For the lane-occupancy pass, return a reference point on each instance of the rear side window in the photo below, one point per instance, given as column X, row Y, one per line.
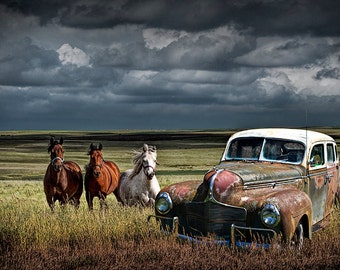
column 330, row 153
column 317, row 155
column 336, row 153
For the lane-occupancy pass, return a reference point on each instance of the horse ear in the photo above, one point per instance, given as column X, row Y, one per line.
column 145, row 147
column 100, row 146
column 51, row 145
column 91, row 147
column 61, row 141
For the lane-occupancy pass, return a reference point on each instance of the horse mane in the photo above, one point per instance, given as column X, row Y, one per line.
column 138, row 158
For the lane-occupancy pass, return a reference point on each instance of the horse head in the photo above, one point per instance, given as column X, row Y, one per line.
column 149, row 160
column 96, row 159
column 57, row 153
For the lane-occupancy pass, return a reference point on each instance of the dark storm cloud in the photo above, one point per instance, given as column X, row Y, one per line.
column 328, row 73
column 168, row 64
column 265, row 17
column 18, row 65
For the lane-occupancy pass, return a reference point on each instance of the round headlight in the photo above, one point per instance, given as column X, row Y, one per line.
column 163, row 203
column 270, row 215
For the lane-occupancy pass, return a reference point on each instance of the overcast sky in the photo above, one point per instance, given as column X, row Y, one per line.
column 157, row 64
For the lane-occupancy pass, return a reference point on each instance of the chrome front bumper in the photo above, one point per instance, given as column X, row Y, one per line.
column 208, row 240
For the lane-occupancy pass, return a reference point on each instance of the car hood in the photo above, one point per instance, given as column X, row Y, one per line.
column 240, row 183
column 253, row 173
column 231, row 182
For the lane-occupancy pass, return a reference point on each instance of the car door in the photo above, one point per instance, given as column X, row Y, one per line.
column 332, row 176
column 318, row 181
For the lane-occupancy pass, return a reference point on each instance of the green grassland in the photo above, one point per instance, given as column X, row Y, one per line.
column 31, row 237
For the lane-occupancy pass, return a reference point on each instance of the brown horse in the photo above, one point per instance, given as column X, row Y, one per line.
column 101, row 176
column 63, row 180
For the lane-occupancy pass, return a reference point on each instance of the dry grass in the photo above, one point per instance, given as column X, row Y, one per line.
column 31, row 237
column 120, row 239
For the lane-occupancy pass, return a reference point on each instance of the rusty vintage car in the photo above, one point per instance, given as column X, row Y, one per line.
column 270, row 183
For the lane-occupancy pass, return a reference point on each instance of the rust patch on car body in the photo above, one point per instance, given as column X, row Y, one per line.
column 183, row 192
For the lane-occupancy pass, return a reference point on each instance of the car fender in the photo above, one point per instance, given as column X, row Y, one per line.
column 186, row 191
column 294, row 206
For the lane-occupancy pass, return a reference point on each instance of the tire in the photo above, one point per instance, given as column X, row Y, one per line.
column 298, row 237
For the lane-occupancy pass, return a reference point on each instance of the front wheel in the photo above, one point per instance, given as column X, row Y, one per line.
column 297, row 240
column 337, row 198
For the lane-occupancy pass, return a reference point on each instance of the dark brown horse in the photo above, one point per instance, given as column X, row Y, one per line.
column 101, row 176
column 63, row 180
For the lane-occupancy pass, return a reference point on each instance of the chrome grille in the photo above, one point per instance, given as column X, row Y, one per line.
column 204, row 218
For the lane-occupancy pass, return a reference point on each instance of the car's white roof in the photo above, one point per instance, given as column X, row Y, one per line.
column 302, row 135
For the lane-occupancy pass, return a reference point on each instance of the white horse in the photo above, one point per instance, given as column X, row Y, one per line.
column 139, row 186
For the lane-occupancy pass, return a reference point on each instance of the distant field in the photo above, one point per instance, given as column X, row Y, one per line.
column 180, row 154
column 31, row 237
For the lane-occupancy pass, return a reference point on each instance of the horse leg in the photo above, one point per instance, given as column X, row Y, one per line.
column 151, row 202
column 89, row 199
column 63, row 200
column 146, row 200
column 50, row 201
column 116, row 193
column 77, row 195
column 102, row 201
column 51, row 205
column 76, row 203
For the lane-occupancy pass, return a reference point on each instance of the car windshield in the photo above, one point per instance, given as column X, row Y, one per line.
column 266, row 150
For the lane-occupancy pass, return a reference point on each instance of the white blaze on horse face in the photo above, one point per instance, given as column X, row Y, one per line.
column 149, row 164
column 57, row 156
column 149, row 170
column 96, row 163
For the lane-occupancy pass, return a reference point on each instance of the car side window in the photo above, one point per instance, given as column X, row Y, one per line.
column 336, row 153
column 317, row 155
column 330, row 153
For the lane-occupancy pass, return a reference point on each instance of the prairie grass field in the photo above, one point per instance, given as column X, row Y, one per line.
column 31, row 237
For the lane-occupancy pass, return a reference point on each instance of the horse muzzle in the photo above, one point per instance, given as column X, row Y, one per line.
column 150, row 176
column 57, row 163
column 96, row 174
column 96, row 170
column 57, row 167
column 149, row 172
